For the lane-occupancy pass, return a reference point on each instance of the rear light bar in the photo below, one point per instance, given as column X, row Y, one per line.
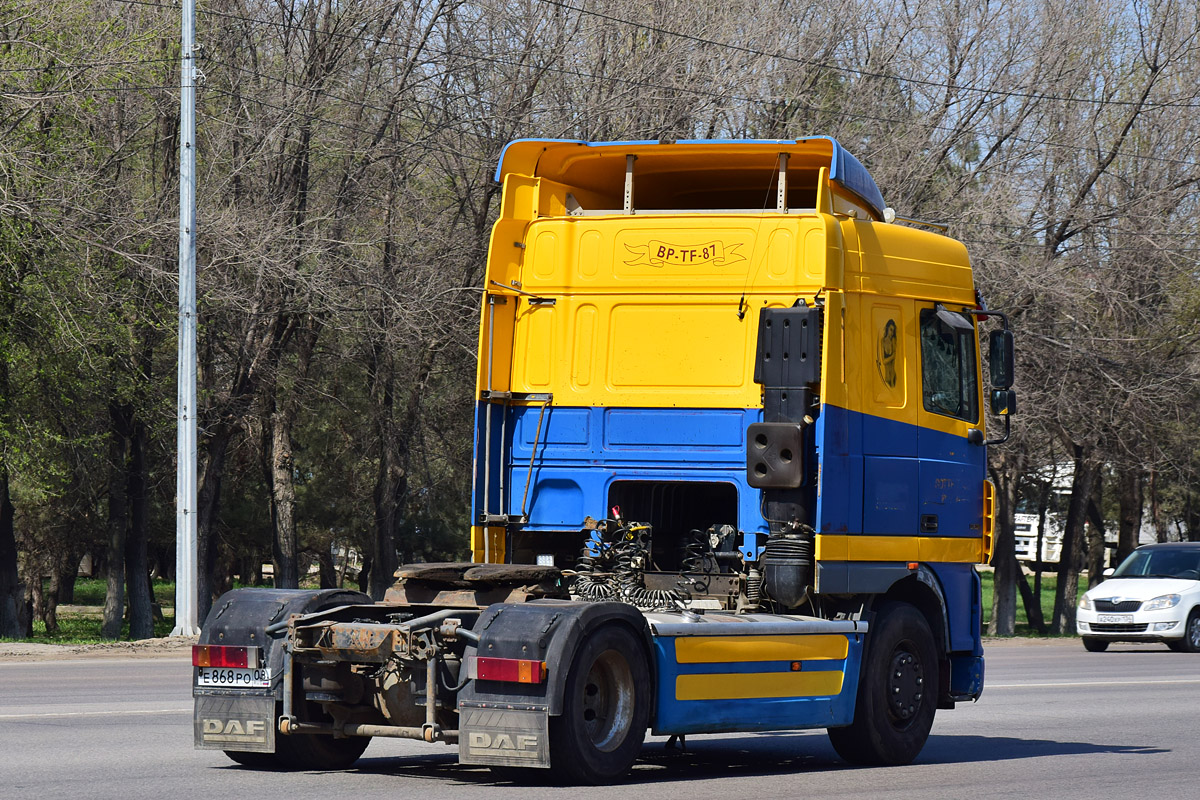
column 511, row 670
column 226, row 656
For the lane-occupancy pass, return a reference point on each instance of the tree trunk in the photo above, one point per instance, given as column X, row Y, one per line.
column 50, row 611
column 1162, row 533
column 340, row 577
column 1096, row 545
column 12, row 597
column 1004, row 557
column 11, row 594
column 37, row 598
column 325, row 568
column 1131, row 498
column 278, row 469
column 137, row 567
column 364, row 574
column 1033, row 604
column 390, row 480
column 390, row 487
column 1191, row 515
column 67, row 571
column 1071, row 560
column 208, row 502
column 280, row 466
column 118, row 523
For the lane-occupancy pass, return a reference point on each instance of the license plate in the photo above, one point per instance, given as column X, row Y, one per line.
column 233, row 678
column 1114, row 619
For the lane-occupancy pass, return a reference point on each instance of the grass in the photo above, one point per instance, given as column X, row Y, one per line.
column 91, row 591
column 85, row 629
column 80, row 622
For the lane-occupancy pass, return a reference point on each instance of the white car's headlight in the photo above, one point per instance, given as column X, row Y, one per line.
column 1166, row 601
column 1085, row 603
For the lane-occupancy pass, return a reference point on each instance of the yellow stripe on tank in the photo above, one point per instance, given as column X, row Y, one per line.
column 737, row 649
column 751, row 686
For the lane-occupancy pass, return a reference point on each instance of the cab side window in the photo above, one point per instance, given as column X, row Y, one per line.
column 948, row 381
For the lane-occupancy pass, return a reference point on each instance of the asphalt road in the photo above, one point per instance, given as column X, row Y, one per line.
column 1054, row 722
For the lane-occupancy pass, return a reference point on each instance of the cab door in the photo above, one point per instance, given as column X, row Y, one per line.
column 951, row 458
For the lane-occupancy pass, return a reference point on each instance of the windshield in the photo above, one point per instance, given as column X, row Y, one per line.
column 1160, row 564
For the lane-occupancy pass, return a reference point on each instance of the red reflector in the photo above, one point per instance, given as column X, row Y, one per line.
column 227, row 656
column 512, row 670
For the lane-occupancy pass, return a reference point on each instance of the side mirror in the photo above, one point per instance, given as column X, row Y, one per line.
column 1004, row 402
column 1000, row 361
column 1108, row 572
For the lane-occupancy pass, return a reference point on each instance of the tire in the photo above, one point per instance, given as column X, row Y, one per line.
column 606, row 709
column 308, row 752
column 1190, row 643
column 305, row 751
column 897, row 691
column 1093, row 645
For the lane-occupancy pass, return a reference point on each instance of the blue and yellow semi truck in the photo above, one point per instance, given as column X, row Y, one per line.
column 729, row 475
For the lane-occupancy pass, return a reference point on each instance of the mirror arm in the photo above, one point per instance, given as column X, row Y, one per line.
column 985, row 313
column 1007, row 432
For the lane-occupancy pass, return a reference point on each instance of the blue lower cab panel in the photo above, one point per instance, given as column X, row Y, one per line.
column 966, row 676
column 749, row 681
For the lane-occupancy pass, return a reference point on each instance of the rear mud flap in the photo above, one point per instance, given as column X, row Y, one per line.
column 235, row 723
column 504, row 737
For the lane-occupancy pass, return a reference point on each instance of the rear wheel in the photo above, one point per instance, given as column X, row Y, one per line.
column 1093, row 645
column 305, row 751
column 897, row 692
column 606, row 708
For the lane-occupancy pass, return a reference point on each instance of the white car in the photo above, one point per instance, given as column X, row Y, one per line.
column 1153, row 596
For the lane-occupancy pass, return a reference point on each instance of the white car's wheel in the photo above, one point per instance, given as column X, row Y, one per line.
column 1191, row 633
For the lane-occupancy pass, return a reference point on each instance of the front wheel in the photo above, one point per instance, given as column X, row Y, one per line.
column 1093, row 645
column 897, row 691
column 606, row 708
column 1190, row 643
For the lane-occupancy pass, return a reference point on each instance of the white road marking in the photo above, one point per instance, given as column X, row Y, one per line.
column 1089, row 683
column 179, row 710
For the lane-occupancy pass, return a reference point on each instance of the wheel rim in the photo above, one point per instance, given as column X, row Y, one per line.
column 608, row 701
column 906, row 685
column 1194, row 632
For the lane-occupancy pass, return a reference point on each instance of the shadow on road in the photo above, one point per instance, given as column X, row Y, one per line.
column 755, row 755
column 960, row 749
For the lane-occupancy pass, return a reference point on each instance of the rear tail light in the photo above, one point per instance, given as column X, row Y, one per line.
column 226, row 656
column 511, row 670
